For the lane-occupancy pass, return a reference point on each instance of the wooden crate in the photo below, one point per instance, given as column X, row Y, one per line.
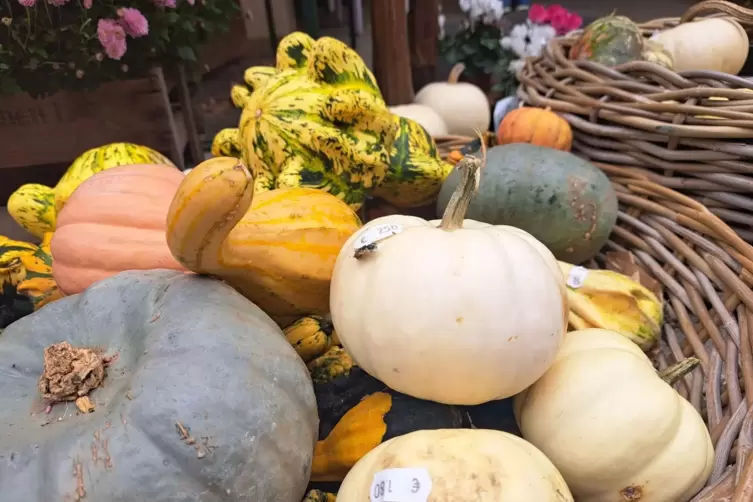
column 59, row 128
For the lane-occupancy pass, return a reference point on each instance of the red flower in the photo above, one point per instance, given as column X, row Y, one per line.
column 566, row 22
column 538, row 14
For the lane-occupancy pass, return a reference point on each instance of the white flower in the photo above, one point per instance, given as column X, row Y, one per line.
column 528, row 39
column 515, row 65
column 441, row 20
column 484, row 11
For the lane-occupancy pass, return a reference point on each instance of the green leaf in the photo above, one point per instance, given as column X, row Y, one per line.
column 186, row 53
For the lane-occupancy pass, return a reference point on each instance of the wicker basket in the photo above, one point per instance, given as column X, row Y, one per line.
column 656, row 122
column 705, row 271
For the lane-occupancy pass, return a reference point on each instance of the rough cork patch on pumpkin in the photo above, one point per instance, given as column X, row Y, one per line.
column 70, row 373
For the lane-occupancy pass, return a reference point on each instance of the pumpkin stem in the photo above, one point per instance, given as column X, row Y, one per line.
column 470, row 171
column 70, row 373
column 675, row 372
column 455, row 73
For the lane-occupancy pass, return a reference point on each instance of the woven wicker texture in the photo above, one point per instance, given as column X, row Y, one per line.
column 706, row 274
column 662, row 124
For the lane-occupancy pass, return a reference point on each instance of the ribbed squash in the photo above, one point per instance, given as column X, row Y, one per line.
column 311, row 336
column 320, row 496
column 34, row 207
column 26, row 282
column 318, row 121
column 358, row 412
column 225, row 143
column 416, row 172
column 279, row 252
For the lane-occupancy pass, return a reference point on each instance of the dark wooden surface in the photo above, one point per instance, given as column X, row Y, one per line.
column 392, row 65
column 424, row 30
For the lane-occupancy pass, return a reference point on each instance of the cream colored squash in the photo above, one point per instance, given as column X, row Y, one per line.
column 457, row 311
column 614, row 429
column 428, row 118
column 458, row 465
column 463, row 106
column 710, row 44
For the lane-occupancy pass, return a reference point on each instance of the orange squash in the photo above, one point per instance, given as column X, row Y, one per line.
column 535, row 126
column 278, row 251
column 114, row 221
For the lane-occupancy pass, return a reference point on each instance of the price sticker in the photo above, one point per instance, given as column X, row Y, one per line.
column 401, row 485
column 577, row 277
column 378, row 233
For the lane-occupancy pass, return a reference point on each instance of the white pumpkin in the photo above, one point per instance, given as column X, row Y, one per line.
column 463, row 106
column 714, row 44
column 614, row 429
column 457, row 311
column 461, row 465
column 428, row 118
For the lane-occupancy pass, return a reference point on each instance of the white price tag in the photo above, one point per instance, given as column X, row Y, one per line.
column 577, row 277
column 378, row 233
column 401, row 485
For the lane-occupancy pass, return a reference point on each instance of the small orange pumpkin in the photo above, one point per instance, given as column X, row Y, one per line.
column 114, row 221
column 535, row 126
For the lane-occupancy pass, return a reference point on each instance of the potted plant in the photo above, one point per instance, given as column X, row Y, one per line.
column 52, row 45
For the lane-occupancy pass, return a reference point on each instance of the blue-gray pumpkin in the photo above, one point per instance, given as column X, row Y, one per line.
column 203, row 400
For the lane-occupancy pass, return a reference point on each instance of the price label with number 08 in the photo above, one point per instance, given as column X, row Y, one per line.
column 401, row 485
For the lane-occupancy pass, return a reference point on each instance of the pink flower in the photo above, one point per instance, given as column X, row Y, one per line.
column 165, row 3
column 565, row 22
column 133, row 22
column 27, row 3
column 87, row 4
column 191, row 2
column 112, row 37
column 538, row 14
column 57, row 3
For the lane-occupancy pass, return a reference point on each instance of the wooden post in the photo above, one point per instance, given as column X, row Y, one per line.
column 392, row 69
column 424, row 31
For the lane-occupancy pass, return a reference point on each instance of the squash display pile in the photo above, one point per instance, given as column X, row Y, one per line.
column 278, row 324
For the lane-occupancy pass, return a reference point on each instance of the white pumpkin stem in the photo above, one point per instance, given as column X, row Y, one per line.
column 675, row 372
column 455, row 73
column 470, row 172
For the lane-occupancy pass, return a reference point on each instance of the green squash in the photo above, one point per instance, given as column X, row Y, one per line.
column 203, row 399
column 564, row 201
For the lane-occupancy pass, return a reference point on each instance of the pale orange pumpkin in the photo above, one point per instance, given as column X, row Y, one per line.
column 535, row 126
column 114, row 221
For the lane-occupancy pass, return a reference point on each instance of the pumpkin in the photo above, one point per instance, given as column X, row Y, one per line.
column 463, row 106
column 461, row 465
column 640, row 440
column 716, row 44
column 428, row 306
column 35, row 206
column 278, row 251
column 114, row 221
column 26, row 282
column 654, row 52
column 422, row 114
column 536, row 127
column 562, row 200
column 610, row 40
column 311, row 336
column 358, row 412
column 318, row 121
column 179, row 415
column 416, row 170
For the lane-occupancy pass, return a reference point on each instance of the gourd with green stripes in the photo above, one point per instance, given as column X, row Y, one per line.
column 316, row 120
column 34, row 207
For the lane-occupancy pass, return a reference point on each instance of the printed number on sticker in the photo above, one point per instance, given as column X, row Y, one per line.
column 401, row 485
column 577, row 277
column 377, row 233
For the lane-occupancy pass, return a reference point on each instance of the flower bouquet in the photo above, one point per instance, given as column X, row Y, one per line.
column 51, row 45
column 529, row 39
